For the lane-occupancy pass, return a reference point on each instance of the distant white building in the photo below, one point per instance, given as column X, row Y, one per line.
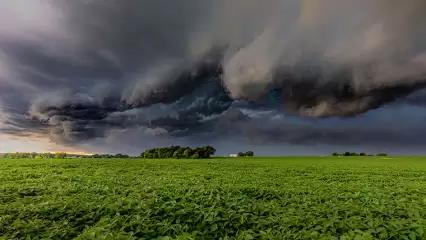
column 233, row 155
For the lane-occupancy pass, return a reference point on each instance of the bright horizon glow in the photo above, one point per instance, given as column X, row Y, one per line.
column 10, row 145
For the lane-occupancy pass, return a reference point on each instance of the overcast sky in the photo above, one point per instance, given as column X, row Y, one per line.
column 282, row 77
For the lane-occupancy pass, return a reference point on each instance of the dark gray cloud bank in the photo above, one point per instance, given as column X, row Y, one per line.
column 116, row 75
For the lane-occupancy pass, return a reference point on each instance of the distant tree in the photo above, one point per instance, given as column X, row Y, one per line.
column 152, row 153
column 381, row 155
column 60, row 155
column 241, row 154
column 179, row 153
column 186, row 153
column 195, row 156
column 159, row 153
column 33, row 154
column 249, row 154
column 173, row 150
column 148, row 153
column 169, row 153
column 23, row 155
column 209, row 150
column 347, row 154
column 362, row 154
column 335, row 154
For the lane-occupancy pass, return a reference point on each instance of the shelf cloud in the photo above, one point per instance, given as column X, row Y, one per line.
column 201, row 70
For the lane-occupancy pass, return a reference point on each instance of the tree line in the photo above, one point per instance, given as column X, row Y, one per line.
column 178, row 152
column 59, row 155
column 353, row 154
column 19, row 155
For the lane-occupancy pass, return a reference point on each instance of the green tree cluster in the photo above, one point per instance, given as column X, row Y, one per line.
column 118, row 155
column 60, row 155
column 179, row 152
column 246, row 154
column 353, row 154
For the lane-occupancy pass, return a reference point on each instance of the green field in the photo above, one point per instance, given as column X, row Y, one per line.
column 258, row 198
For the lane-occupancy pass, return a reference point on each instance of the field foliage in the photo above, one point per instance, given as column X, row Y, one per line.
column 230, row 198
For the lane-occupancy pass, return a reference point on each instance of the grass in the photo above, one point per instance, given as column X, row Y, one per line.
column 259, row 198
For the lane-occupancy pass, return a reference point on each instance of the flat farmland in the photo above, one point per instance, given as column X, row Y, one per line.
column 223, row 198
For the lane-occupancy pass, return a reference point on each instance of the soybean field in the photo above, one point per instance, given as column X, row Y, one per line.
column 223, row 198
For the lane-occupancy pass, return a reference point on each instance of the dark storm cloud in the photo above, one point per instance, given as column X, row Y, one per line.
column 270, row 127
column 416, row 99
column 335, row 61
column 339, row 96
column 75, row 116
column 80, row 70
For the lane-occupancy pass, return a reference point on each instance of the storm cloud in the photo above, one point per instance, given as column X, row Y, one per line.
column 199, row 71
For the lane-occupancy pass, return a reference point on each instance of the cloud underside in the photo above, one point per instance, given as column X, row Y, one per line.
column 293, row 72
